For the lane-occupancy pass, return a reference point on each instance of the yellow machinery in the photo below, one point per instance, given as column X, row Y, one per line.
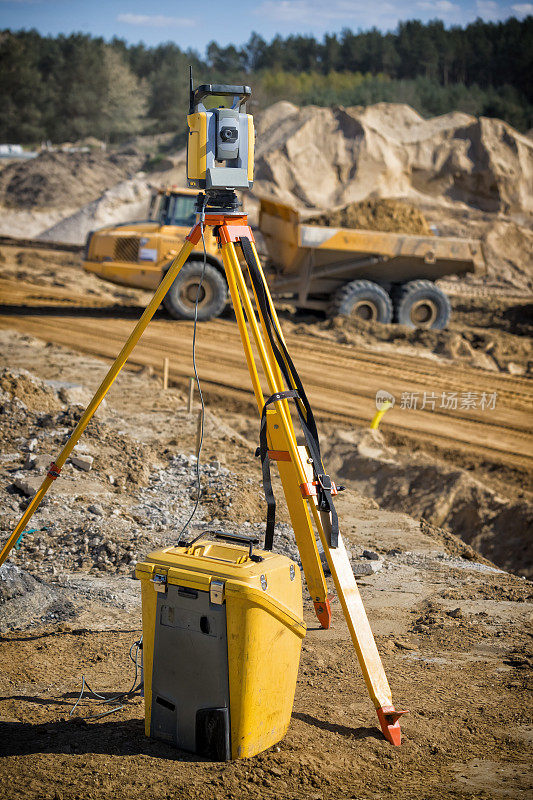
column 138, row 254
column 374, row 275
column 308, row 488
column 222, row 633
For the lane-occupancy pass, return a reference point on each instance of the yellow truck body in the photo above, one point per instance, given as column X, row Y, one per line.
column 368, row 273
column 138, row 253
column 331, row 255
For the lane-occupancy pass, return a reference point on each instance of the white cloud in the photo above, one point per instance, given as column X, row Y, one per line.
column 523, row 8
column 487, row 7
column 320, row 14
column 442, row 6
column 155, row 20
column 309, row 11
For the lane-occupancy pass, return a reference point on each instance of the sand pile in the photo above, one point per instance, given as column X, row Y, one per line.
column 64, row 180
column 320, row 157
column 376, row 215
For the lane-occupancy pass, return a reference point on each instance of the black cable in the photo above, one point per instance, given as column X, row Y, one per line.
column 202, row 413
column 135, row 688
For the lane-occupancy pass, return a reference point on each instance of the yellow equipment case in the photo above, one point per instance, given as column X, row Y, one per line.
column 222, row 634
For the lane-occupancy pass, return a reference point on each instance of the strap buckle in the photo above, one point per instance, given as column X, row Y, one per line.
column 325, row 483
column 310, row 489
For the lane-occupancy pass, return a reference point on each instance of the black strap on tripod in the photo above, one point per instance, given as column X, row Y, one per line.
column 265, row 466
column 290, row 373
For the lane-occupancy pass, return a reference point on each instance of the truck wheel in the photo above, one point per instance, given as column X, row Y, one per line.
column 363, row 300
column 181, row 297
column 420, row 304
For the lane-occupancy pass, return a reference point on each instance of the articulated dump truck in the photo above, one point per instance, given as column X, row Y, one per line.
column 382, row 277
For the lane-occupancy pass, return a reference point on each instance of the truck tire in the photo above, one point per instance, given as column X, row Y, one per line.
column 420, row 304
column 181, row 297
column 363, row 300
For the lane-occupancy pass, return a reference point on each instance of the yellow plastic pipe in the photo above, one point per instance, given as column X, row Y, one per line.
column 101, row 392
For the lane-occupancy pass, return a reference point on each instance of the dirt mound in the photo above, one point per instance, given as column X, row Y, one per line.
column 322, row 157
column 63, row 180
column 508, row 250
column 21, row 385
column 488, row 334
column 507, row 244
column 376, row 215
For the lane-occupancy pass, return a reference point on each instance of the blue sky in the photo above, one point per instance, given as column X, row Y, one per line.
column 192, row 24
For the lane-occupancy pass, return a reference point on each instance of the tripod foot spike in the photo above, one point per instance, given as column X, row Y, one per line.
column 323, row 612
column 389, row 720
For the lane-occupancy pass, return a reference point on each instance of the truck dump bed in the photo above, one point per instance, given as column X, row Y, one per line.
column 327, row 257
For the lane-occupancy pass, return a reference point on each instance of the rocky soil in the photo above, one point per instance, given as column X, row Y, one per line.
column 452, row 628
column 487, row 333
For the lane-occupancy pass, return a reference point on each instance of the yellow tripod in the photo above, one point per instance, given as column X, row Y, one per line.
column 301, row 485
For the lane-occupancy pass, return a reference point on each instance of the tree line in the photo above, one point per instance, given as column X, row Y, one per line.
column 69, row 87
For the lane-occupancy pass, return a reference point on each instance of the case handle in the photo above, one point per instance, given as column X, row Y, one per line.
column 237, row 537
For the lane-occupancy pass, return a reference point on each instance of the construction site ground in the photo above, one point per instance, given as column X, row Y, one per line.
column 452, row 627
column 484, row 453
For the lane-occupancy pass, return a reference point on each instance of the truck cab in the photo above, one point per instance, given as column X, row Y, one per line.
column 137, row 254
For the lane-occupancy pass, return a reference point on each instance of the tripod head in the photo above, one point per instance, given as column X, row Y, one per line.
column 220, row 144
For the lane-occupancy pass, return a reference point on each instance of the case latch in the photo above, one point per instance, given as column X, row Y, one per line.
column 216, row 592
column 160, row 583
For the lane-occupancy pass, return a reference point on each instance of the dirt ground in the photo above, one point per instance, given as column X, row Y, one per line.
column 454, row 647
column 452, row 627
column 453, row 630
column 481, row 451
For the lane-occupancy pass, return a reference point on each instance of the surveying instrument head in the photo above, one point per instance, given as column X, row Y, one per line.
column 220, row 144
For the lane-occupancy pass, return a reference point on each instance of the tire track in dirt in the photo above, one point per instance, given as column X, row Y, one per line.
column 341, row 380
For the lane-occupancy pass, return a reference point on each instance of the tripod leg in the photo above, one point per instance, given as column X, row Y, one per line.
column 101, row 392
column 281, row 437
column 352, row 605
column 298, row 509
column 241, row 324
